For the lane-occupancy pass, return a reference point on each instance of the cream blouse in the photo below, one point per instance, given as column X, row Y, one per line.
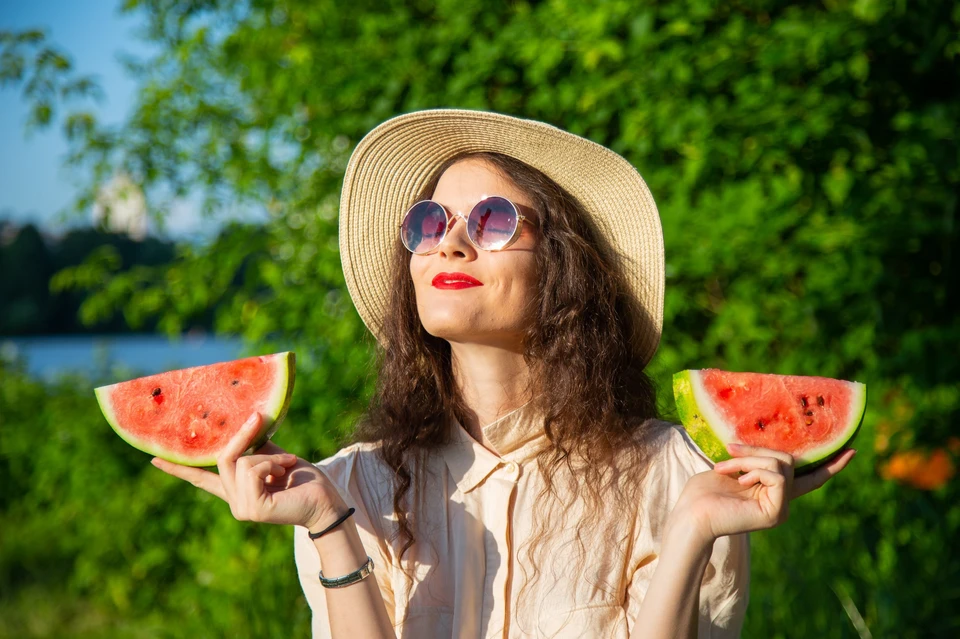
column 479, row 512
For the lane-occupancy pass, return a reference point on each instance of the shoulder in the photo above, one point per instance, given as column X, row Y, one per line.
column 675, row 456
column 351, row 457
column 677, row 445
column 360, row 473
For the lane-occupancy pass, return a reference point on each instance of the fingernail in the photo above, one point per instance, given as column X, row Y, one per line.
column 154, row 461
column 732, row 445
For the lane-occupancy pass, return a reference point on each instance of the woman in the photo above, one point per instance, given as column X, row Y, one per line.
column 510, row 478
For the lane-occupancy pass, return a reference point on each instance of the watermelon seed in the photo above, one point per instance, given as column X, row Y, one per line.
column 809, row 413
column 222, row 422
column 820, row 400
column 803, row 401
column 235, row 382
column 809, row 422
column 156, row 391
column 206, row 414
column 760, row 424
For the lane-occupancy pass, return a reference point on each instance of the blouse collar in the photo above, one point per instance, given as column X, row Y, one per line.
column 470, row 463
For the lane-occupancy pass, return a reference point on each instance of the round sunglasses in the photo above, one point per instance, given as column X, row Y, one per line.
column 492, row 225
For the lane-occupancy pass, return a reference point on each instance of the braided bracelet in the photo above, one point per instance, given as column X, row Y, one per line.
column 359, row 574
column 331, row 526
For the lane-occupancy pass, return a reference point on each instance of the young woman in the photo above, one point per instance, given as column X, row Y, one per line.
column 511, row 478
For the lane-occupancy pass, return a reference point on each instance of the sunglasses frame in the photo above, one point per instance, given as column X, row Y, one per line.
column 513, row 238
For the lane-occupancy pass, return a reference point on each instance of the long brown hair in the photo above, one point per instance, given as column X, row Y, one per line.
column 596, row 400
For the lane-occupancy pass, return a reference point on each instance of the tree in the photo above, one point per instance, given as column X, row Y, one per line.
column 803, row 158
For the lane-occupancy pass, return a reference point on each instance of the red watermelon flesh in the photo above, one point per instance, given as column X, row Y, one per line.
column 187, row 416
column 812, row 418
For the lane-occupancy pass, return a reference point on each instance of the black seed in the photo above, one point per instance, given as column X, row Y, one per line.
column 820, row 400
column 696, row 417
column 803, row 402
column 760, row 425
column 809, row 413
column 156, row 391
column 222, row 422
column 235, row 382
column 206, row 414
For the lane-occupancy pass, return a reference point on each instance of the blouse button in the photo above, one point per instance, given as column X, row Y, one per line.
column 511, row 468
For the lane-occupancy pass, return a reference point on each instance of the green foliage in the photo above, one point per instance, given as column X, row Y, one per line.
column 98, row 543
column 803, row 157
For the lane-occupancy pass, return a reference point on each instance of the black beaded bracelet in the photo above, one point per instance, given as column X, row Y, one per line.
column 332, row 526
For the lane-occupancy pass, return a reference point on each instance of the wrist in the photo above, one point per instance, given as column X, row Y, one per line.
column 327, row 517
column 690, row 531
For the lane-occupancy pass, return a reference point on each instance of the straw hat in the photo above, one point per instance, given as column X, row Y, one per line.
column 393, row 163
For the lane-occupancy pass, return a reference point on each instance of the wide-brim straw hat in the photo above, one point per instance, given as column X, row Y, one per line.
column 392, row 164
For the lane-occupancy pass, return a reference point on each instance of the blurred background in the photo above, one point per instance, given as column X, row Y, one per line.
column 169, row 182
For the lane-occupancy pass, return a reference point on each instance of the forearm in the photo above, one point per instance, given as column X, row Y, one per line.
column 356, row 610
column 671, row 605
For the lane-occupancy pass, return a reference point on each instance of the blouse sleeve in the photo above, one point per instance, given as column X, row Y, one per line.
column 357, row 474
column 724, row 591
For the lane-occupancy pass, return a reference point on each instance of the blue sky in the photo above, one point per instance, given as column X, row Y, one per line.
column 34, row 185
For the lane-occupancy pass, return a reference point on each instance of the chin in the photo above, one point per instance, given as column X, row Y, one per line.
column 450, row 331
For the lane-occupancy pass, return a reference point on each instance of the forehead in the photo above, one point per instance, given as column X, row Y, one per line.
column 468, row 181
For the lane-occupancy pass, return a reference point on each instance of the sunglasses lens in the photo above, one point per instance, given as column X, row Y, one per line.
column 492, row 223
column 423, row 226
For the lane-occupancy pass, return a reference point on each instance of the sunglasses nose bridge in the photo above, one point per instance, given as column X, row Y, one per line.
column 451, row 228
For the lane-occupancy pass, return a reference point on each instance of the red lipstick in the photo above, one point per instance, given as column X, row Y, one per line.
column 455, row 281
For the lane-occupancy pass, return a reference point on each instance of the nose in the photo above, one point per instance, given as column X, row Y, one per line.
column 456, row 242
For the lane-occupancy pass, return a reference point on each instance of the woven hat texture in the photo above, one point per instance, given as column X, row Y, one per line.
column 394, row 161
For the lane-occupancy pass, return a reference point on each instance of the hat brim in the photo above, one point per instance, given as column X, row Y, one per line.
column 392, row 164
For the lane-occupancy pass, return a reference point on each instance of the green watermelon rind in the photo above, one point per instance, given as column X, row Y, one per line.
column 713, row 446
column 695, row 425
column 273, row 415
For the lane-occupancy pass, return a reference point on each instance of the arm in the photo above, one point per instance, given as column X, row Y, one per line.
column 276, row 487
column 671, row 607
column 358, row 609
column 713, row 506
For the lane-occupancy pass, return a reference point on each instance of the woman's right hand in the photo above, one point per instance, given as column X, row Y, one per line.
column 270, row 486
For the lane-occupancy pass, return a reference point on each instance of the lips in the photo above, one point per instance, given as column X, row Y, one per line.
column 455, row 281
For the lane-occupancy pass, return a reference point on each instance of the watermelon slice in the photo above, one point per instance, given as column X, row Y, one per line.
column 812, row 418
column 187, row 416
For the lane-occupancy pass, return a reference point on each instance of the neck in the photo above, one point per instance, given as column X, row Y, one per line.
column 492, row 381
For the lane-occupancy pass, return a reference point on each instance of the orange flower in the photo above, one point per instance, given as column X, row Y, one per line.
column 915, row 468
column 953, row 443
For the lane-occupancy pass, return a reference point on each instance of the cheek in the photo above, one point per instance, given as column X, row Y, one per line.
column 521, row 282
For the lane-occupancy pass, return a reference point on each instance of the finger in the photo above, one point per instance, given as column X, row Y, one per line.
column 776, row 485
column 242, row 439
column 269, row 448
column 252, row 496
column 742, row 450
column 283, row 459
column 746, row 464
column 761, row 475
column 808, row 483
column 203, row 479
column 266, row 468
column 227, row 461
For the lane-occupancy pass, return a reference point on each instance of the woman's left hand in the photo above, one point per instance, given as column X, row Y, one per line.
column 719, row 502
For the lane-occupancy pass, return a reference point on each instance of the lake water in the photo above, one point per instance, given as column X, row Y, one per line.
column 118, row 356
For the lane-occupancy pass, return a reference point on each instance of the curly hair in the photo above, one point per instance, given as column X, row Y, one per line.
column 598, row 405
